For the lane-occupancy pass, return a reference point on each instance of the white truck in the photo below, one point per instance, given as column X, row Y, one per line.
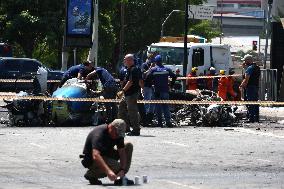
column 201, row 55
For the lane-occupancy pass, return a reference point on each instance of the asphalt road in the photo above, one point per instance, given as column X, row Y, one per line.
column 190, row 157
column 250, row 156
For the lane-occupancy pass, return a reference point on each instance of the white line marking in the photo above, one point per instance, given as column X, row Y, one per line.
column 174, row 143
column 37, row 145
column 264, row 160
column 183, row 185
column 243, row 130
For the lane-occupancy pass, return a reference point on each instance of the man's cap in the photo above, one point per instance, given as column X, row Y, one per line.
column 158, row 59
column 120, row 127
column 247, row 57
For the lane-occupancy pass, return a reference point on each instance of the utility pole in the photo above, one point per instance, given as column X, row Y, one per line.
column 221, row 24
column 93, row 53
column 267, row 30
column 185, row 58
column 121, row 34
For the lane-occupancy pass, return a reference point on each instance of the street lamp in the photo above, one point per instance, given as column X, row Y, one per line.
column 162, row 29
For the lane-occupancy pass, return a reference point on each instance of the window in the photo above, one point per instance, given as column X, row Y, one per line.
column 170, row 55
column 198, row 57
column 12, row 65
column 225, row 5
column 30, row 66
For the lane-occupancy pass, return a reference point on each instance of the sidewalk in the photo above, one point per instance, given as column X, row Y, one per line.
column 276, row 113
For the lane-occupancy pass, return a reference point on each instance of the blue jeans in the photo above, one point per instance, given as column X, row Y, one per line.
column 253, row 110
column 163, row 107
column 149, row 95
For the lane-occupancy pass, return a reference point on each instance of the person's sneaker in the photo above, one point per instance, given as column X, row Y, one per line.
column 93, row 181
column 118, row 182
column 133, row 133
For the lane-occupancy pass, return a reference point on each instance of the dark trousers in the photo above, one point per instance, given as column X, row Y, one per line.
column 111, row 107
column 253, row 110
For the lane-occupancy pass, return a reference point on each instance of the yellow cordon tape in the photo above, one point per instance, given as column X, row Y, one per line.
column 208, row 77
column 183, row 102
column 24, row 81
column 57, row 81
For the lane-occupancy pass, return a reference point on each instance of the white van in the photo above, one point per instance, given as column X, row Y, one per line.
column 201, row 55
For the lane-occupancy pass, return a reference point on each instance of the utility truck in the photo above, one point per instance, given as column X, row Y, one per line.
column 201, row 55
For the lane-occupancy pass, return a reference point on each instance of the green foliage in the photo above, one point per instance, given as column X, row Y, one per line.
column 35, row 28
column 205, row 29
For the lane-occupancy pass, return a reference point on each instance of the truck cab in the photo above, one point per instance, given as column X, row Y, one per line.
column 201, row 55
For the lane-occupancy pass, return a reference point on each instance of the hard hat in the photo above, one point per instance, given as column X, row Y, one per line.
column 194, row 69
column 222, row 72
column 212, row 69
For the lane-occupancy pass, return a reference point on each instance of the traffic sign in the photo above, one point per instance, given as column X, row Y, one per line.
column 200, row 12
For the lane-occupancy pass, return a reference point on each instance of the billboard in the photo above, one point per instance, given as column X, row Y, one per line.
column 79, row 17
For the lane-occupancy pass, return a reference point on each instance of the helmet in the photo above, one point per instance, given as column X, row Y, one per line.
column 212, row 69
column 194, row 69
column 222, row 72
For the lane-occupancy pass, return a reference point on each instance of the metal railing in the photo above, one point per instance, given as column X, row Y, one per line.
column 268, row 84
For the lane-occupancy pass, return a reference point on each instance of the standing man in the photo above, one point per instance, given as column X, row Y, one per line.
column 148, row 89
column 109, row 90
column 77, row 71
column 101, row 158
column 128, row 108
column 251, row 85
column 160, row 76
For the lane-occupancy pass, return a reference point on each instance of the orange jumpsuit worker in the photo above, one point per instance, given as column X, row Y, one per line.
column 224, row 87
column 209, row 81
column 191, row 84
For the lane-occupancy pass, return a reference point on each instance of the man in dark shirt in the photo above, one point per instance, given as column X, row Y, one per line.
column 109, row 89
column 79, row 71
column 251, row 85
column 128, row 109
column 101, row 158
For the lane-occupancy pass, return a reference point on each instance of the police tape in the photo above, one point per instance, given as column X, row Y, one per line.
column 24, row 81
column 178, row 78
column 177, row 102
column 209, row 77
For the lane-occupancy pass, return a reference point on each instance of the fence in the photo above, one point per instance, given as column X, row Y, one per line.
column 268, row 85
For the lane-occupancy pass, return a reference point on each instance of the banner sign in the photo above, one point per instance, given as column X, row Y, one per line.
column 200, row 12
column 79, row 20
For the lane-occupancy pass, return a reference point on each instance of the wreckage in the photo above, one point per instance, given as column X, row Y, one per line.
column 37, row 112
column 209, row 115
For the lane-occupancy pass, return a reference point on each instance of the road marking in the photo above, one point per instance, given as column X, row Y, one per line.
column 183, row 185
column 37, row 145
column 264, row 160
column 174, row 143
column 249, row 131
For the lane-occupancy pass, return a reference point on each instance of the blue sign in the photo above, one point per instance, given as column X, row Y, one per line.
column 79, row 15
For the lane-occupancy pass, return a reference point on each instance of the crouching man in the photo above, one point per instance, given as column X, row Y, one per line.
column 102, row 159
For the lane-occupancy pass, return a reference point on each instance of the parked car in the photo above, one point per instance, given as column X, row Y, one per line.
column 24, row 68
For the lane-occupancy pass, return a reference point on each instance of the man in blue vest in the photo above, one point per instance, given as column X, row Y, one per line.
column 160, row 75
column 78, row 71
column 251, row 85
column 109, row 90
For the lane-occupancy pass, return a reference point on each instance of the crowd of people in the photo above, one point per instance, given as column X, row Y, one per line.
column 151, row 82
